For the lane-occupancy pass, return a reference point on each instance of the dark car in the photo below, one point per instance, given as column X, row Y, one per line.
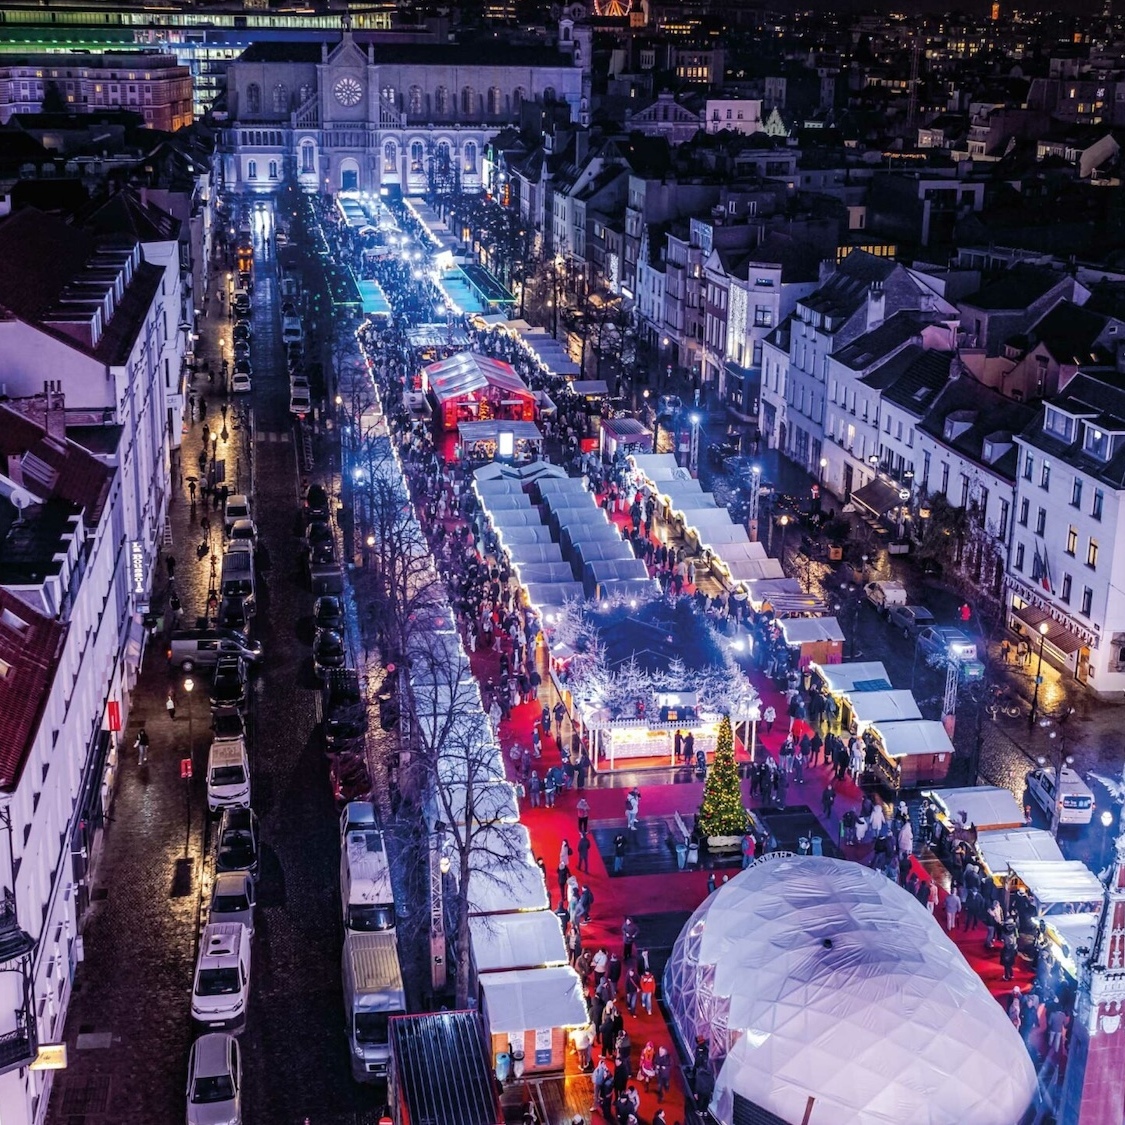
column 243, row 367
column 242, row 330
column 344, row 708
column 238, row 841
column 227, row 726
column 321, row 554
column 318, row 531
column 719, row 452
column 328, row 613
column 228, row 688
column 328, row 652
column 350, row 779
column 316, row 503
column 233, row 615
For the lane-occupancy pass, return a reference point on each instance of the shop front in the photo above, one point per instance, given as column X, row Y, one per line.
column 817, row 640
column 515, row 442
column 1067, row 643
column 842, row 681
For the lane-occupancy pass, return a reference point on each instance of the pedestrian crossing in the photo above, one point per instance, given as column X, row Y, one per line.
column 282, row 436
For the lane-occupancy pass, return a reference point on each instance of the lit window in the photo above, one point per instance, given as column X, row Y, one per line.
column 1071, row 540
column 1092, row 554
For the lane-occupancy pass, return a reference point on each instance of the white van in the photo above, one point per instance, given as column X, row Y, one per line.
column 373, row 993
column 365, row 882
column 222, row 977
column 237, row 507
column 1075, row 798
column 228, row 775
column 883, row 595
column 291, row 330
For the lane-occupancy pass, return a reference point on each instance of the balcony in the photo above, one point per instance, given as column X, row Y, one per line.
column 14, row 942
column 19, row 1047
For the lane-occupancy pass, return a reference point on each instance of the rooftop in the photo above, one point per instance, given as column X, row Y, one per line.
column 1016, row 289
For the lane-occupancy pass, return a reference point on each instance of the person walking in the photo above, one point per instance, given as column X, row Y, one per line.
column 770, row 716
column 584, row 853
column 565, row 853
column 533, row 787
column 648, row 990
column 952, row 908
column 629, row 932
column 583, row 810
column 142, row 746
column 663, row 1073
column 828, row 799
column 613, row 972
column 170, row 704
column 632, row 991
column 599, row 964
column 586, row 901
column 618, row 853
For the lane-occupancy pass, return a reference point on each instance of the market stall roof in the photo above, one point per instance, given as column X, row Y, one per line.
column 1074, row 932
column 859, row 675
column 751, row 570
column 658, row 467
column 590, row 387
column 492, row 428
column 635, row 589
column 526, row 536
column 469, row 372
column 985, row 806
column 878, row 497
column 523, row 554
column 436, row 336
column 543, row 573
column 528, row 1000
column 626, row 431
column 504, row 942
column 501, row 502
column 1055, row 883
column 810, row 630
column 1007, row 847
column 549, row 352
column 561, row 485
column 604, row 570
column 883, row 707
column 786, row 597
column 520, row 518
column 493, row 802
column 752, row 551
column 677, row 491
column 547, row 596
column 905, row 737
column 596, row 550
column 535, row 470
column 498, row 486
column 504, row 876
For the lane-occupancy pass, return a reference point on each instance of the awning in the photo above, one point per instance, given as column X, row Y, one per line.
column 811, row 630
column 985, row 806
column 590, row 387
column 491, row 429
column 786, row 597
column 1058, row 634
column 878, row 497
column 904, row 738
column 527, row 1001
column 870, row 707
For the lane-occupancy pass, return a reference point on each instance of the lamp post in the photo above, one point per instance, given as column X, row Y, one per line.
column 1034, row 713
column 693, row 459
column 189, row 687
column 784, row 521
column 1107, row 820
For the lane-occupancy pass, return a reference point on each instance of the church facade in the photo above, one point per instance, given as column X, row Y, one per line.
column 365, row 118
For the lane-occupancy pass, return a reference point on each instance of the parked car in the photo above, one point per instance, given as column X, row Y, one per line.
column 298, row 382
column 240, row 383
column 214, row 1083
column 910, row 618
column 300, row 403
column 948, row 642
column 1075, row 799
column 329, row 653
column 243, row 367
column 242, row 330
column 317, row 532
column 883, row 595
column 228, row 687
column 233, row 615
column 328, row 613
column 244, row 531
column 237, row 507
column 316, row 503
column 320, row 555
column 226, row 726
column 238, row 841
column 241, row 349
column 228, row 775
column 221, row 989
column 232, row 899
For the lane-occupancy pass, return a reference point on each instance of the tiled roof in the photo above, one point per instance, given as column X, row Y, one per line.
column 78, row 476
column 1018, row 288
column 30, row 645
column 1068, row 332
column 891, row 334
column 39, row 254
column 847, row 288
column 124, row 213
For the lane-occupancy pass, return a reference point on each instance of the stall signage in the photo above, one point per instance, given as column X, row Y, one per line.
column 542, row 1046
column 138, row 571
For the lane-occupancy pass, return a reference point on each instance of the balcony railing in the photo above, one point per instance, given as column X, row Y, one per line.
column 19, row 1047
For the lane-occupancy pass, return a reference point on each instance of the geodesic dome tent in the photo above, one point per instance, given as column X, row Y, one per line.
column 817, row 977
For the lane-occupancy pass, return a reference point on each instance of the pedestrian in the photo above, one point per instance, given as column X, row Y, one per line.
column 932, row 897
column 1008, row 955
column 533, row 787
column 142, row 746
column 952, row 907
column 646, row 1067
column 663, row 1073
column 828, row 799
column 170, row 704
column 598, row 965
column 584, row 853
column 583, row 1040
column 770, row 716
column 618, row 853
column 632, row 806
column 629, row 932
column 632, row 991
column 583, row 810
column 565, row 853
column 613, row 971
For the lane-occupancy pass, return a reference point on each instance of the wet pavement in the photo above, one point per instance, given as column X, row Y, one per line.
column 129, row 1028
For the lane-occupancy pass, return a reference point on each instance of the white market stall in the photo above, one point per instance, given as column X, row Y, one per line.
column 513, row 536
column 547, row 598
column 527, row 517
column 531, row 1013
column 504, row 877
column 529, row 554
column 542, row 573
column 1004, row 848
column 530, row 940
column 908, row 752
column 979, row 808
column 870, row 707
column 588, row 531
column 598, row 574
column 818, row 640
column 601, row 550
column 783, row 597
column 657, row 467
column 494, row 802
column 855, row 675
column 1066, row 887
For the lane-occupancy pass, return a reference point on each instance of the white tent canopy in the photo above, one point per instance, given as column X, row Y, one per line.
column 870, row 707
column 657, row 467
column 529, row 517
column 543, row 573
column 1056, row 885
column 985, row 806
column 510, row 536
column 602, row 549
column 819, row 978
column 1001, row 848
column 526, row 554
column 498, row 486
column 527, row 1001
column 751, row 570
column 548, row 596
column 496, row 503
column 786, row 597
column 504, row 876
column 493, row 801
column 905, row 737
column 859, row 675
column 503, row 942
column 808, row 630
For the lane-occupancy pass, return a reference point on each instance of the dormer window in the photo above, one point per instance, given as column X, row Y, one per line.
column 1097, row 443
column 1059, row 425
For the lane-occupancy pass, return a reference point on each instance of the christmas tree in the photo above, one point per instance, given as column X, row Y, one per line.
column 722, row 812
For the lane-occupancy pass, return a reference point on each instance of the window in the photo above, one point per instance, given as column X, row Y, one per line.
column 548, row 94
column 390, row 157
column 1028, row 466
column 252, row 170
column 253, row 98
column 1064, row 592
column 414, row 101
column 1096, row 505
column 1002, row 529
column 1087, row 601
column 1092, row 554
column 471, row 157
column 495, row 101
column 468, row 101
column 1019, row 556
column 1097, row 443
column 1045, row 475
column 307, row 158
column 763, row 316
column 1041, row 522
column 441, row 101
column 518, row 95
column 273, row 169
column 944, row 490
column 280, row 98
column 1024, row 508
column 1076, row 493
column 442, row 157
column 304, row 93
column 417, row 154
column 1072, row 541
column 1059, row 425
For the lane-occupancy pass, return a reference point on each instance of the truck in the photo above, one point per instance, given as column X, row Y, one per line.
column 373, row 994
column 883, row 595
column 238, row 574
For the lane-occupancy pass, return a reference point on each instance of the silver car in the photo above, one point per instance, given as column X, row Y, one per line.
column 910, row 618
column 214, row 1085
column 232, row 898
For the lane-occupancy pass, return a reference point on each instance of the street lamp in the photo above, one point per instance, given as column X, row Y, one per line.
column 1107, row 820
column 189, row 687
column 1043, row 628
column 784, row 521
column 693, row 459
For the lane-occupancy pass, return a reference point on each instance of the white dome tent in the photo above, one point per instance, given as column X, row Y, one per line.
column 816, row 977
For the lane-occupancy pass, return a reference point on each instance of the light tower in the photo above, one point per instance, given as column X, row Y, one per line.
column 1094, row 1087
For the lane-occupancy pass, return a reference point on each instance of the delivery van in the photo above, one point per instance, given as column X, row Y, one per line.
column 373, row 994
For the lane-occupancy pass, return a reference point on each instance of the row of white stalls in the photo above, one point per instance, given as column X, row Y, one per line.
column 530, row 997
column 560, row 544
column 1066, row 894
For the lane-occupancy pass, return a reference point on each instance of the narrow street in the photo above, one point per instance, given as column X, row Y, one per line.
column 129, row 1027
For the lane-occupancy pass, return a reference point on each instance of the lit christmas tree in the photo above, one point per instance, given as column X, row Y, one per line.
column 722, row 812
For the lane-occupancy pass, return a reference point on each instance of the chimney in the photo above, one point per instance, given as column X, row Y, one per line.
column 876, row 305
column 56, row 412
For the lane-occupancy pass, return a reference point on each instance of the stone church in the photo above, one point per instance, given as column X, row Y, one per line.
column 412, row 115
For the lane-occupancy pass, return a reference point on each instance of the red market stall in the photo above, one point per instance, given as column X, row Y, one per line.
column 468, row 387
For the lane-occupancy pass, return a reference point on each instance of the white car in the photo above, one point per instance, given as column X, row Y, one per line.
column 237, row 508
column 244, row 530
column 214, row 1085
column 222, row 977
column 1075, row 799
column 300, row 403
column 240, row 384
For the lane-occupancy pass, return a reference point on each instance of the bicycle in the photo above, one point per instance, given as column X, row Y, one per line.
column 1000, row 702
